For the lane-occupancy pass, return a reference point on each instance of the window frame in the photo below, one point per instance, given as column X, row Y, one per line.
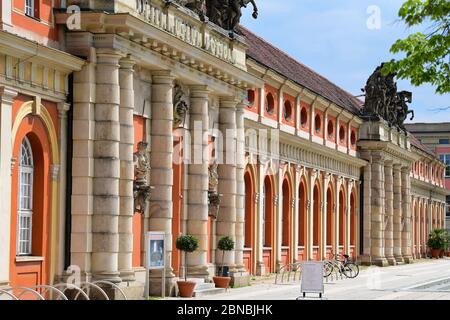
column 445, row 157
column 24, row 236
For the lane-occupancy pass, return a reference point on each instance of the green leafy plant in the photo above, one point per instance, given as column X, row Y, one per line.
column 426, row 53
column 225, row 244
column 187, row 244
column 438, row 239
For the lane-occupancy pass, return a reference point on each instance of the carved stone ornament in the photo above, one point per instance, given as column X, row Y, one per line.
column 213, row 195
column 383, row 101
column 224, row 13
column 141, row 185
column 180, row 107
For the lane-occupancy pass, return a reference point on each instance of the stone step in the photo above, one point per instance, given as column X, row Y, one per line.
column 204, row 286
column 208, row 292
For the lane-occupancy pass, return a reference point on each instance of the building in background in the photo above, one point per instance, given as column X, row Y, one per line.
column 436, row 137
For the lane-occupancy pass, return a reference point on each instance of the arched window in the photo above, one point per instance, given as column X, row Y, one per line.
column 270, row 104
column 263, row 222
column 318, row 124
column 303, row 117
column 288, row 111
column 25, row 201
column 251, row 97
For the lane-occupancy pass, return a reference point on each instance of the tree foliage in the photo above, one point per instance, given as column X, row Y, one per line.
column 427, row 54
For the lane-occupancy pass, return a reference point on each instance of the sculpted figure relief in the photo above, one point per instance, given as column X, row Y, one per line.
column 213, row 195
column 180, row 106
column 384, row 102
column 141, row 186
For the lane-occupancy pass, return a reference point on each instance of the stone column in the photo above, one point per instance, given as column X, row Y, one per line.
column 105, row 220
column 198, row 181
column 240, row 185
column 7, row 96
column 260, row 267
column 161, row 162
column 397, row 222
column 389, row 213
column 83, row 166
column 126, row 149
column 406, row 216
column 367, row 210
column 309, row 246
column 278, row 220
column 226, row 221
column 324, row 219
column 377, row 203
column 337, row 218
column 63, row 108
column 296, row 213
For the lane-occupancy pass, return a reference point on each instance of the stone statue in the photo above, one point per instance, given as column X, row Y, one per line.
column 235, row 12
column 180, row 106
column 141, row 186
column 383, row 101
column 213, row 195
column 402, row 110
column 198, row 6
column 227, row 13
column 213, row 178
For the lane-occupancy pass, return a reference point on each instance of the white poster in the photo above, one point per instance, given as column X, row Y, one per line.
column 156, row 247
column 312, row 277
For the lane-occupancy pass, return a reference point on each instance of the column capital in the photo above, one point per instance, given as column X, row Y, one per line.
column 199, row 91
column 108, row 56
column 7, row 94
column 63, row 108
column 377, row 156
column 163, row 77
column 127, row 63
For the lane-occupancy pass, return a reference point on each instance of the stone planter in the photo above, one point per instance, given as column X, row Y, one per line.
column 448, row 254
column 186, row 288
column 222, row 282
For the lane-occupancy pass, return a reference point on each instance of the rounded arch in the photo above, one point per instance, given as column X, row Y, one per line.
column 27, row 109
column 353, row 217
column 249, row 223
column 40, row 132
column 331, row 219
column 342, row 209
column 317, row 219
column 302, row 211
column 287, row 205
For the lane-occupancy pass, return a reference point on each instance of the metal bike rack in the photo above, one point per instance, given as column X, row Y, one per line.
column 90, row 284
column 9, row 294
column 289, row 269
column 72, row 287
column 25, row 290
column 52, row 289
column 112, row 285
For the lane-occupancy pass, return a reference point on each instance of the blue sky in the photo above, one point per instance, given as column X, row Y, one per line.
column 332, row 37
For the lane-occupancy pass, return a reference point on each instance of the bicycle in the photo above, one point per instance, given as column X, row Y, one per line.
column 346, row 267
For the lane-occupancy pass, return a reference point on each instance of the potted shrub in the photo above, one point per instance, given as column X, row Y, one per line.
column 223, row 280
column 186, row 244
column 437, row 242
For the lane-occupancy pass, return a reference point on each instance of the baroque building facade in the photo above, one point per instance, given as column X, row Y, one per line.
column 126, row 117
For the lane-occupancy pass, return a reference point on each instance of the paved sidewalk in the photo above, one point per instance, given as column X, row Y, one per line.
column 405, row 282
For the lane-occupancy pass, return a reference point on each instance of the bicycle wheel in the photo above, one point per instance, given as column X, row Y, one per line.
column 327, row 269
column 351, row 270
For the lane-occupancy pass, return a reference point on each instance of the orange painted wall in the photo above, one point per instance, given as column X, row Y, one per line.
column 292, row 120
column 321, row 131
column 139, row 135
column 274, row 93
column 33, row 272
column 332, row 135
column 43, row 26
column 307, row 125
column 255, row 104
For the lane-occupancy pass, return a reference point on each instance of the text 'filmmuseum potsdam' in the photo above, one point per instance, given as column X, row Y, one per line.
column 130, row 116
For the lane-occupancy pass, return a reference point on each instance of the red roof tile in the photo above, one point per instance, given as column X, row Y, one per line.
column 280, row 62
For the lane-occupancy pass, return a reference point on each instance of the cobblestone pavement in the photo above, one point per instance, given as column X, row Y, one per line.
column 424, row 280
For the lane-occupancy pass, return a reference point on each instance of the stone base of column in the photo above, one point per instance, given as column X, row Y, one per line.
column 132, row 290
column 113, row 277
column 155, row 283
column 127, row 275
column 199, row 272
column 391, row 260
column 260, row 269
column 380, row 262
column 4, row 284
column 399, row 259
column 408, row 259
column 365, row 260
column 240, row 279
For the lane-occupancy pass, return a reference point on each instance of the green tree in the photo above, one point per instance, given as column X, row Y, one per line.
column 427, row 54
